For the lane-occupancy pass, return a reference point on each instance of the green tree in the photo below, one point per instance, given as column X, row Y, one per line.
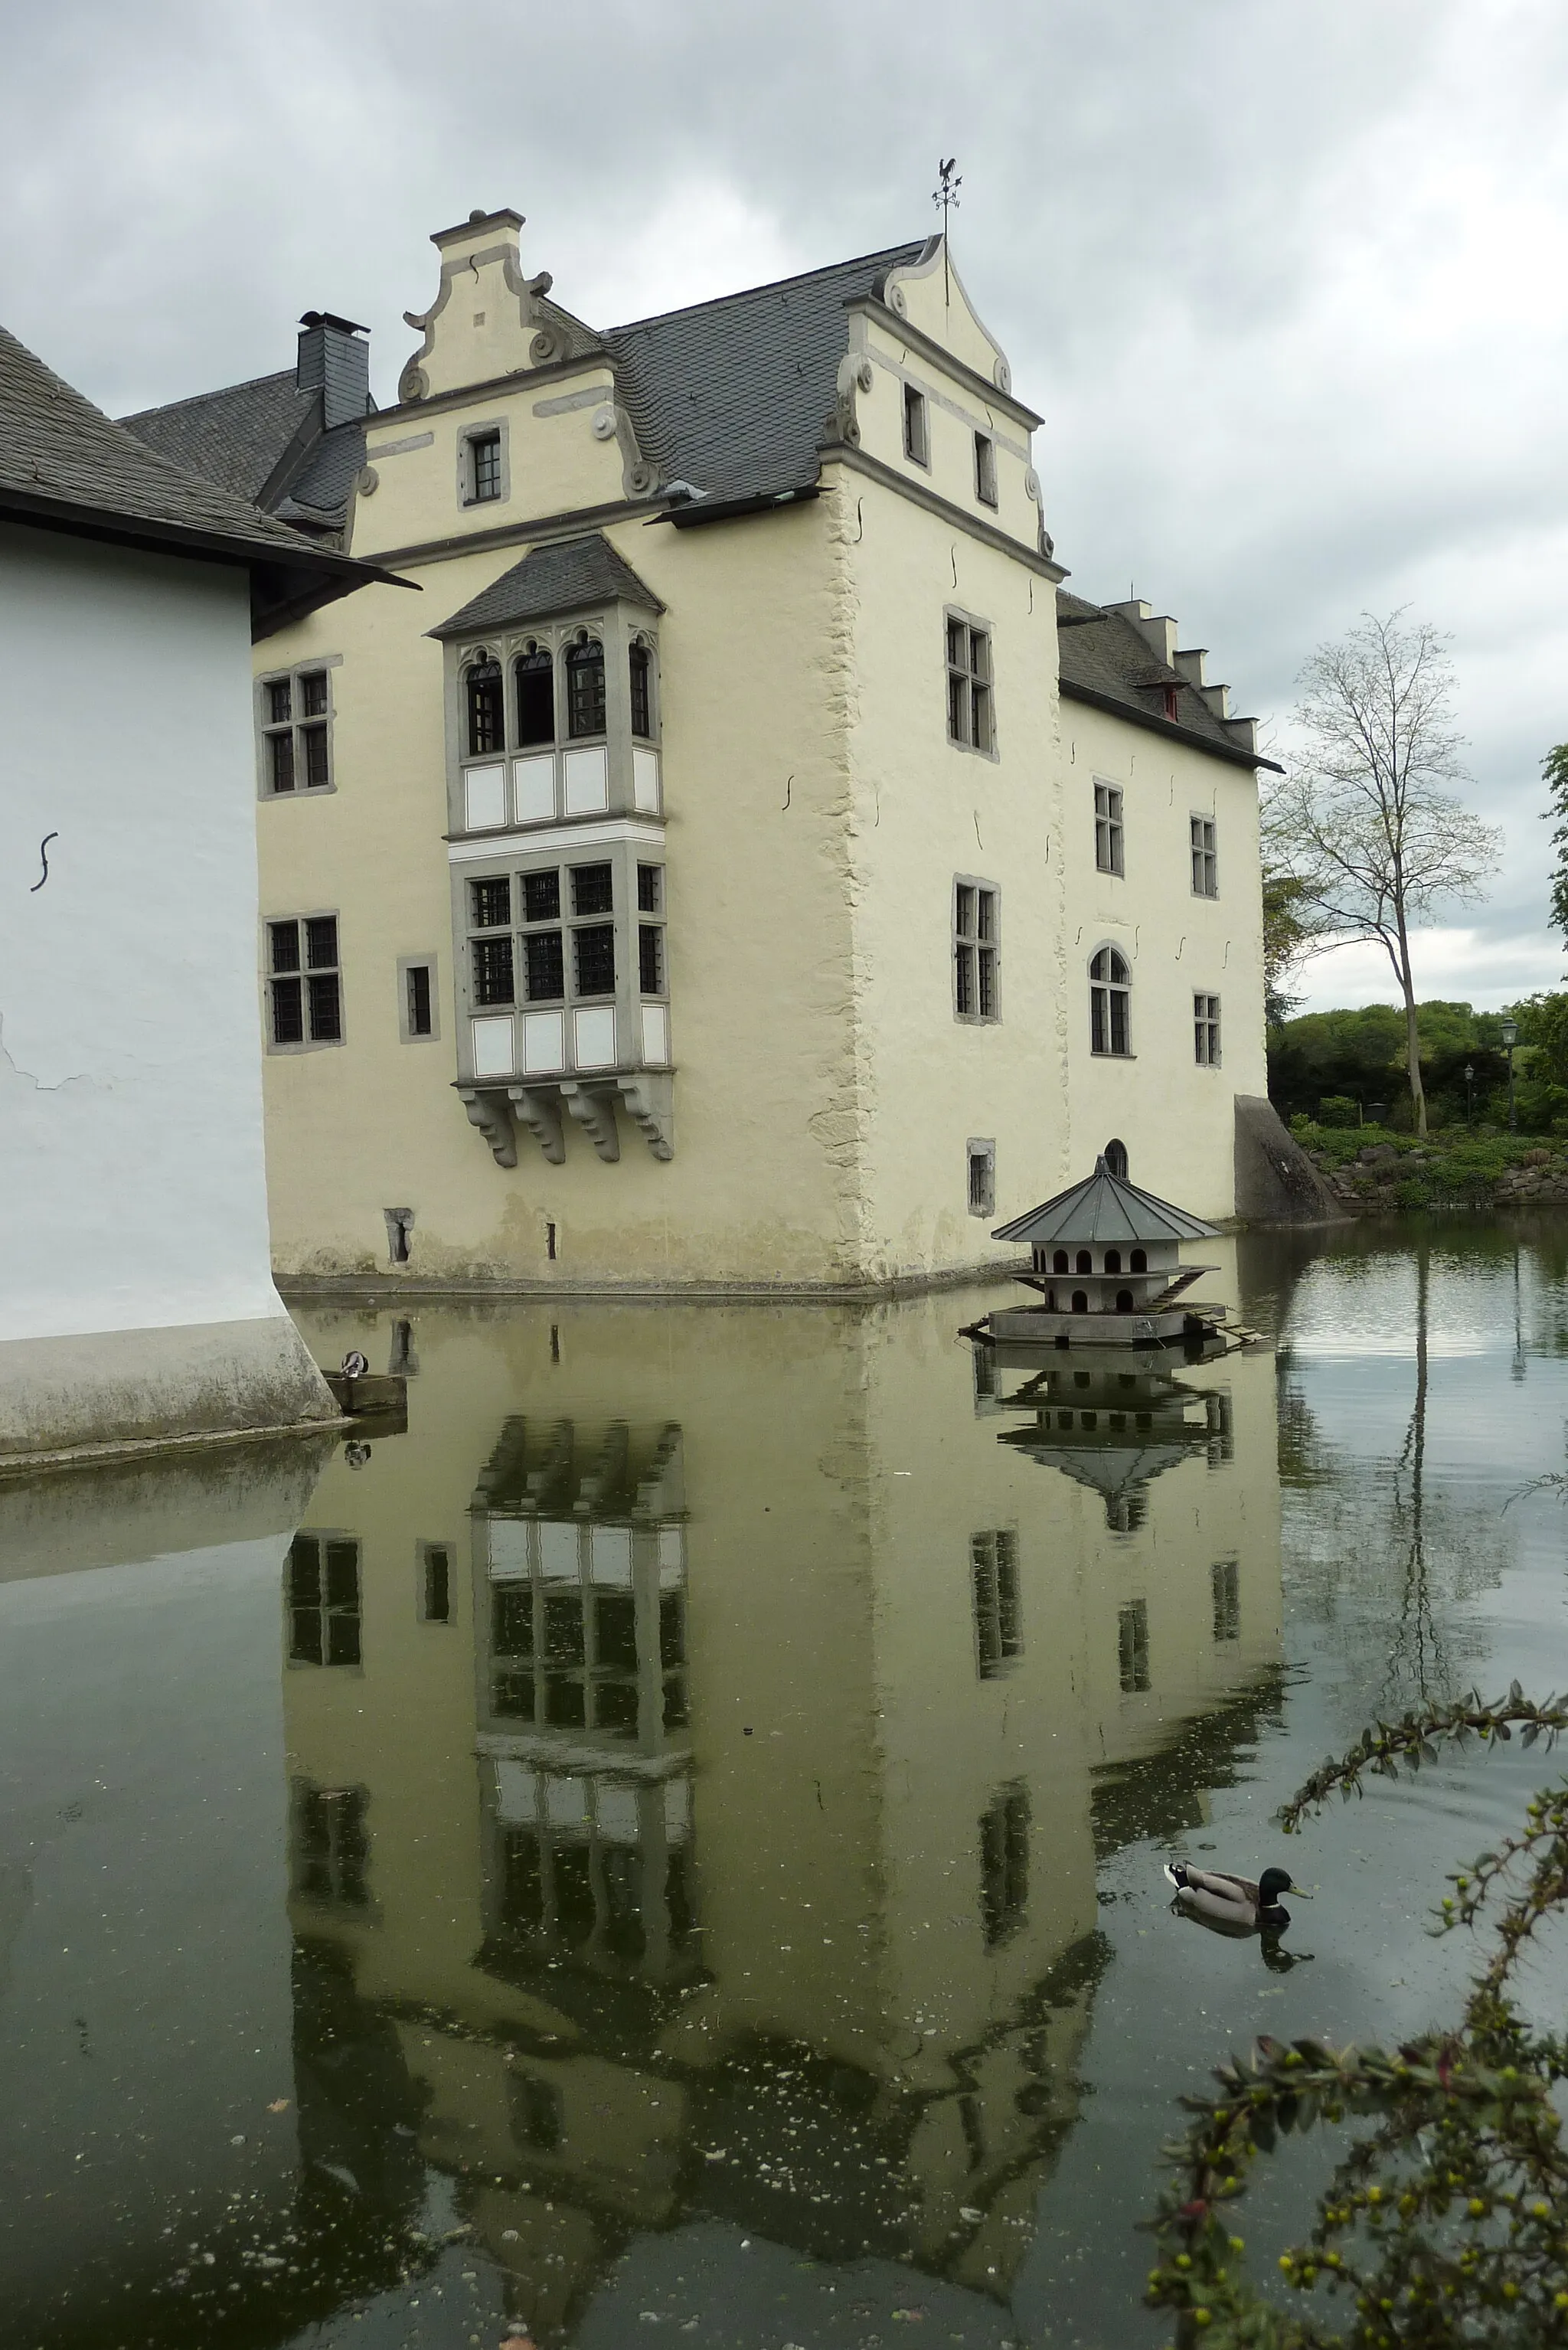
column 1285, row 943
column 1363, row 821
column 1554, row 767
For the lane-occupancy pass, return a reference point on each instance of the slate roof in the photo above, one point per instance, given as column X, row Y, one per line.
column 564, row 576
column 1103, row 657
column 1105, row 1209
column 734, row 395
column 236, row 437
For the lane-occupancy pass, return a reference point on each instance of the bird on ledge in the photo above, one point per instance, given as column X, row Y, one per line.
column 1238, row 1903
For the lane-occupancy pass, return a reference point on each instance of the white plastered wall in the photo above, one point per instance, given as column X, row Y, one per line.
column 132, row 1167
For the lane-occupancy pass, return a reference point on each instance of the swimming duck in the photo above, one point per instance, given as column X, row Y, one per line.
column 1238, row 1902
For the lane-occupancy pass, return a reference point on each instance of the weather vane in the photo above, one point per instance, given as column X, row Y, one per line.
column 945, row 194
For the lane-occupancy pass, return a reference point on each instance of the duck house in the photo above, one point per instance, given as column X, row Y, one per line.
column 1105, row 1258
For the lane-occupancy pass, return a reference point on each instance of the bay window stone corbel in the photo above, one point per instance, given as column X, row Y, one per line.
column 650, row 1097
column 539, row 1108
column 491, row 1112
column 595, row 1113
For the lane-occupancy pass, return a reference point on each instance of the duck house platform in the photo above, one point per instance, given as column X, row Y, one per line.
column 1106, row 1263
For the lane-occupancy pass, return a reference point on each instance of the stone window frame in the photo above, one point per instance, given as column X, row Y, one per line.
column 307, row 1044
column 980, row 1151
column 978, row 942
column 537, row 853
column 267, row 728
column 1109, row 984
column 985, row 489
column 954, row 616
column 322, row 1538
column 916, row 426
column 1203, row 839
column 1110, row 827
column 507, row 647
column 408, row 1033
column 425, row 1556
column 483, row 428
column 1207, row 1034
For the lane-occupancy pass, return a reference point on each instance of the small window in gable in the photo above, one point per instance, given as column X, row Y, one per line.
column 917, row 437
column 985, row 469
column 584, row 688
column 483, row 468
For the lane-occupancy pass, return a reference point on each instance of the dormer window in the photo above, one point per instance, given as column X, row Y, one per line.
column 641, row 662
column 535, row 676
column 486, row 718
column 585, row 688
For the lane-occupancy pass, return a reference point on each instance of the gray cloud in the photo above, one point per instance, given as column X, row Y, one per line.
column 1283, row 282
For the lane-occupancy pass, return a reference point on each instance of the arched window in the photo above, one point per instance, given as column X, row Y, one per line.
column 1124, row 1300
column 641, row 692
column 1110, row 986
column 584, row 688
column 1116, row 1157
column 1140, row 1261
column 1080, row 1303
column 1059, row 1262
column 535, row 676
column 1113, row 1260
column 1086, row 1262
column 486, row 719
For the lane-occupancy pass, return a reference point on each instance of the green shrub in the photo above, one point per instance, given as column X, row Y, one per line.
column 1337, row 1109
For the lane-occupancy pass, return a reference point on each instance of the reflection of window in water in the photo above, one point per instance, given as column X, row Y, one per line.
column 435, row 1583
column 998, row 1631
column 985, row 1383
column 1218, row 1413
column 1227, row 1575
column 329, row 1845
column 592, row 1865
column 1003, row 1863
column 1126, row 1512
column 324, row 1600
column 1132, row 1645
column 536, row 2109
column 567, row 1652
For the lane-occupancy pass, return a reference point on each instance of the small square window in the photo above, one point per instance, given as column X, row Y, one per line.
column 419, row 999
column 970, row 722
column 484, row 463
column 542, row 896
column 592, row 889
column 592, row 959
column 649, row 893
column 303, row 982
column 976, row 928
column 296, row 718
column 1109, row 851
column 490, row 904
column 917, row 441
column 1205, row 860
column 1206, row 1031
column 985, row 469
column 981, row 1178
column 650, row 959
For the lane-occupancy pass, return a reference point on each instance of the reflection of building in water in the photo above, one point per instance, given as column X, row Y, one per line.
column 727, row 1846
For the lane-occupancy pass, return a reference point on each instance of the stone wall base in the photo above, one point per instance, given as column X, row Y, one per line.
column 115, row 1388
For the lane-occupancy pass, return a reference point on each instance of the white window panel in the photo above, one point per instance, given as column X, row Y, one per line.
column 655, row 1034
column 593, row 1037
column 615, row 1808
column 544, row 1041
column 508, row 1549
column 677, row 1809
column 534, row 789
column 558, row 1550
column 587, row 780
column 611, row 1554
column 671, row 1556
column 566, row 1802
column 517, row 1787
column 484, row 797
column 645, row 781
column 492, row 1046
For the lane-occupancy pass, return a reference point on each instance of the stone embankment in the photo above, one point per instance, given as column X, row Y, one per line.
column 1386, row 1178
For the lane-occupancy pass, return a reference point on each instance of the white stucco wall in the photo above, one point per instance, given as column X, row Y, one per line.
column 132, row 1182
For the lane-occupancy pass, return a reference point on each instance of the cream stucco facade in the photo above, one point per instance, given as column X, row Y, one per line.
column 785, row 1088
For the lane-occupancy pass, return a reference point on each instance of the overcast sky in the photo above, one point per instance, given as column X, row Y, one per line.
column 1287, row 284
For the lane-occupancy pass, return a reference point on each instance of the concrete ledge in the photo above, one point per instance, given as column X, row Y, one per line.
column 379, row 1289
column 98, row 1394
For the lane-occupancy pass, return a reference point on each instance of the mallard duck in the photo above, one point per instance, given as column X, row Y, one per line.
column 1238, row 1902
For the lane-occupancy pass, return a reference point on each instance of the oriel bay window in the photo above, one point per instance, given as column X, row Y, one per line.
column 572, row 946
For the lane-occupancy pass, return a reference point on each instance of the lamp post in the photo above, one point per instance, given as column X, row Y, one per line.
column 1509, row 1038
column 1470, row 1093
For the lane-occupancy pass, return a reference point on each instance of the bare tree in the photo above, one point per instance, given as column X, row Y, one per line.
column 1363, row 820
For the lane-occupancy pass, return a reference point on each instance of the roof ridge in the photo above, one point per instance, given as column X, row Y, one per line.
column 195, row 399
column 769, row 285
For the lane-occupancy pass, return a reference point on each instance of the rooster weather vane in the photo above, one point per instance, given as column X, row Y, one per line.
column 945, row 196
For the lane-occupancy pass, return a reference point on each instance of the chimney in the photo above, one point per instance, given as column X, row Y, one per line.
column 335, row 362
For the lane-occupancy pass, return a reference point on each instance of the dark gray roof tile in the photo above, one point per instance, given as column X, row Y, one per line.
column 1104, row 657
column 236, row 437
column 570, row 576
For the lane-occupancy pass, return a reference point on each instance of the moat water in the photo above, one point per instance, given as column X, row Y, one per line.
column 673, row 1840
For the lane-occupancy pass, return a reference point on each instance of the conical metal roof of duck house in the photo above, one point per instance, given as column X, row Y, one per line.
column 1104, row 1209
